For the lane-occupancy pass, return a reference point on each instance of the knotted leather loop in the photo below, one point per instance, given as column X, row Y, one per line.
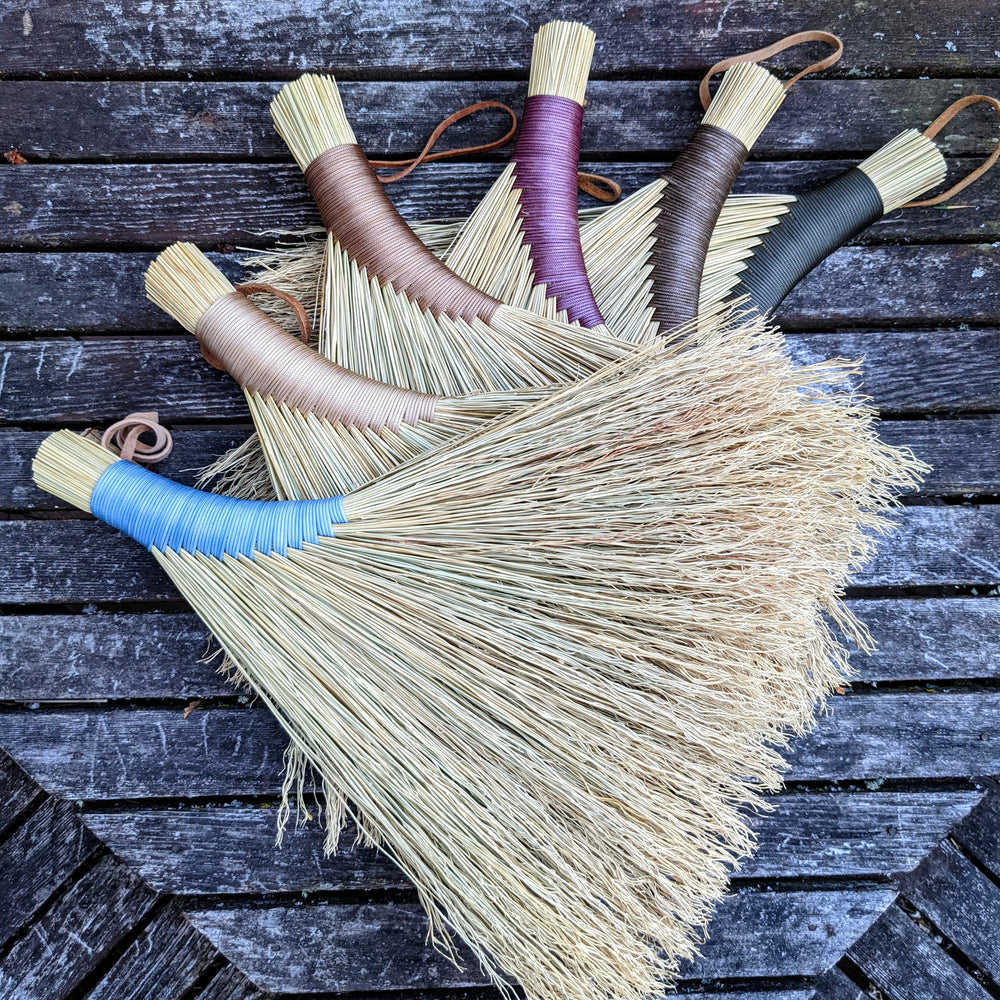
column 124, row 436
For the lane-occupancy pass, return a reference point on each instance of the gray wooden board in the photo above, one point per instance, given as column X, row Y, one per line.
column 163, row 120
column 109, row 753
column 230, row 984
column 381, row 946
column 75, row 934
column 115, row 205
column 17, row 792
column 961, row 902
column 101, row 656
column 96, row 380
column 978, row 834
column 163, row 963
column 44, row 851
column 231, row 849
column 919, row 286
column 901, row 959
column 964, row 456
column 420, row 38
column 70, row 561
column 834, row 985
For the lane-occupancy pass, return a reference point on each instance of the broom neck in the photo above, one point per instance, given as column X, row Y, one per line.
column 161, row 514
column 266, row 360
column 358, row 213
column 546, row 159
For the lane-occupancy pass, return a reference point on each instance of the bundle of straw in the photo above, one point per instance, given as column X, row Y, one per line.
column 540, row 665
column 321, row 429
column 808, row 227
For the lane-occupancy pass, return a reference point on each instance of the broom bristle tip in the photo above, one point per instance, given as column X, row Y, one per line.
column 183, row 282
column 68, row 465
column 561, row 54
column 309, row 115
column 904, row 168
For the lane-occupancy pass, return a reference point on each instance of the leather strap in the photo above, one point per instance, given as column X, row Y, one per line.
column 939, row 123
column 124, row 435
column 426, row 156
column 599, row 187
column 759, row 55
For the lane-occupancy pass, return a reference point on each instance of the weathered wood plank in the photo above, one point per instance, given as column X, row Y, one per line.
column 834, row 985
column 55, row 382
column 230, row 849
column 379, row 947
column 17, row 791
column 44, row 851
column 929, row 640
column 103, row 293
column 100, row 754
column 964, row 456
column 151, row 204
column 75, row 561
column 164, row 962
column 96, row 657
column 900, row 959
column 231, row 984
column 73, row 936
column 978, row 833
column 961, row 902
column 417, row 38
column 65, row 121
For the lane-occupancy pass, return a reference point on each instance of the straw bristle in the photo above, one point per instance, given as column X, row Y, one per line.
column 309, row 115
column 560, row 60
column 183, row 282
column 745, row 102
column 68, row 465
column 904, row 168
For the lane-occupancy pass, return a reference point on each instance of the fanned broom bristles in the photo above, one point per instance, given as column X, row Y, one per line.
column 304, row 454
column 540, row 665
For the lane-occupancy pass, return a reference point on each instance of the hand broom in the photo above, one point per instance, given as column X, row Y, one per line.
column 810, row 226
column 523, row 661
column 324, row 429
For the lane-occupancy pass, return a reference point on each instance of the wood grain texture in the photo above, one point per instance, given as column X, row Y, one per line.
column 163, row 963
column 978, row 833
column 151, row 204
column 114, row 753
column 44, row 851
column 231, row 984
column 75, row 934
column 109, row 657
column 165, row 120
column 18, row 792
column 381, row 947
column 834, row 985
column 419, row 38
column 901, row 959
column 961, row 902
column 230, row 849
column 78, row 561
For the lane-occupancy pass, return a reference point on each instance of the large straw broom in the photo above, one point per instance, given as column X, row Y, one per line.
column 810, row 226
column 524, row 661
column 323, row 430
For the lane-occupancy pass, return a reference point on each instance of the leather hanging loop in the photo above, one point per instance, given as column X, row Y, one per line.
column 426, row 156
column 939, row 123
column 301, row 316
column 124, row 436
column 759, row 55
column 598, row 186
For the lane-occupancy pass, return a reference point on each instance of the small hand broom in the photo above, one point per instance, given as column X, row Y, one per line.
column 537, row 664
column 425, row 328
column 323, row 430
column 810, row 226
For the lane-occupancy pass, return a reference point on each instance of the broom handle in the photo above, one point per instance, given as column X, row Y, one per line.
column 545, row 170
column 358, row 213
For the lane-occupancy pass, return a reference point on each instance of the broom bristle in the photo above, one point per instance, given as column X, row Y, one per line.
column 561, row 54
column 68, row 465
column 309, row 115
column 745, row 102
column 904, row 168
column 183, row 282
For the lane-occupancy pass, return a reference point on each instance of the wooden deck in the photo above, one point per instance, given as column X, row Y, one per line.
column 136, row 855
